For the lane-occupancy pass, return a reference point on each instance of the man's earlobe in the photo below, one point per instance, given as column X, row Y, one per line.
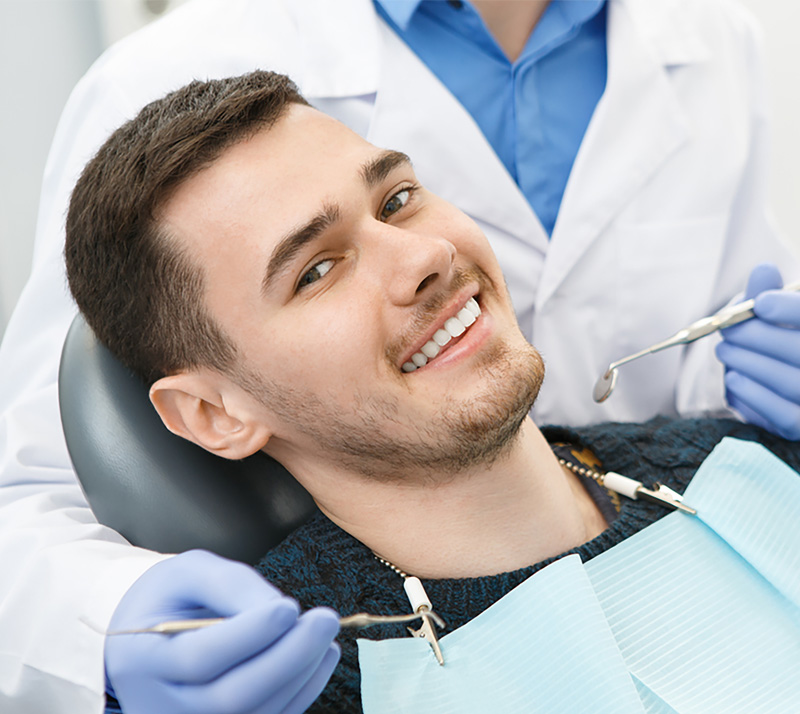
column 209, row 411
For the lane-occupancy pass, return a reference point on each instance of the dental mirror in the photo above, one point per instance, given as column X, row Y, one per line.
column 604, row 385
column 726, row 317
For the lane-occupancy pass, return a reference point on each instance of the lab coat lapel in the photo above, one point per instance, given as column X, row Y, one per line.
column 412, row 111
column 324, row 28
column 637, row 126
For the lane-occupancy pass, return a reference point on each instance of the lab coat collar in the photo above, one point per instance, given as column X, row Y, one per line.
column 673, row 39
column 339, row 43
column 665, row 27
column 326, row 29
column 644, row 38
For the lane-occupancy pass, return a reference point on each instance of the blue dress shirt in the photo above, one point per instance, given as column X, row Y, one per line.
column 534, row 111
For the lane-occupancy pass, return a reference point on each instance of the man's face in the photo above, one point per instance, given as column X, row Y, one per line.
column 330, row 268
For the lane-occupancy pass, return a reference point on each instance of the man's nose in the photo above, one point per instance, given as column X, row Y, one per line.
column 416, row 264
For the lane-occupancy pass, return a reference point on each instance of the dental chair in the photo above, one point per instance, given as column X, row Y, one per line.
column 158, row 490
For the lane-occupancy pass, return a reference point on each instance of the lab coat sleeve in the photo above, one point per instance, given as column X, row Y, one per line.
column 63, row 573
column 752, row 237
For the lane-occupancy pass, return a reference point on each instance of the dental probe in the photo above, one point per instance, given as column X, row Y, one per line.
column 359, row 620
column 726, row 317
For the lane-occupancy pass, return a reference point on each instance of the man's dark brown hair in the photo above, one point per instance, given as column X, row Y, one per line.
column 139, row 293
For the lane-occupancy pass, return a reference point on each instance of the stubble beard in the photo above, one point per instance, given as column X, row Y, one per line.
column 461, row 435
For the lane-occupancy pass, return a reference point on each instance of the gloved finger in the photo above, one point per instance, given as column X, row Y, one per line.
column 779, row 308
column 306, row 687
column 200, row 656
column 765, row 276
column 308, row 693
column 759, row 337
column 127, row 655
column 782, row 416
column 747, row 413
column 779, row 377
column 257, row 680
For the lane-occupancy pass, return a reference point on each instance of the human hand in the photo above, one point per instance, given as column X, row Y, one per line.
column 762, row 357
column 266, row 658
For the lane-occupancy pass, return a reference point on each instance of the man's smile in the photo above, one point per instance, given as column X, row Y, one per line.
column 450, row 329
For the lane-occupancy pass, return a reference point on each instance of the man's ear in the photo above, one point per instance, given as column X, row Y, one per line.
column 209, row 410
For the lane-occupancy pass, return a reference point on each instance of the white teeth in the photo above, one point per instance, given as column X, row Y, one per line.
column 430, row 349
column 454, row 326
column 465, row 317
column 419, row 359
column 441, row 337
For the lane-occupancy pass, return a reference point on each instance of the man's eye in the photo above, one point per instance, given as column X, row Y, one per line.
column 315, row 273
column 396, row 202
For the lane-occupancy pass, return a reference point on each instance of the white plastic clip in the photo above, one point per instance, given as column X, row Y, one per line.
column 634, row 489
column 420, row 603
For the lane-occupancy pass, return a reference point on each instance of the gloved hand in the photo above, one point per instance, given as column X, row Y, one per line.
column 762, row 357
column 265, row 658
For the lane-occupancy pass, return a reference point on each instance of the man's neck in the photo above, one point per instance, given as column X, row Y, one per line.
column 511, row 22
column 521, row 510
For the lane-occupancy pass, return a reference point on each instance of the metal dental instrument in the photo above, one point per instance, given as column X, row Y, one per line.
column 726, row 317
column 427, row 632
column 359, row 621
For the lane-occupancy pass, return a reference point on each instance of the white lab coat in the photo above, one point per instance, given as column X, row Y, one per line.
column 661, row 221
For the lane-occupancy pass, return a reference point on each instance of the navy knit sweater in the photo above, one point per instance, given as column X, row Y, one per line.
column 320, row 564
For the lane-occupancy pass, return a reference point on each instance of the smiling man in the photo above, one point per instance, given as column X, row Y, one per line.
column 285, row 286
column 333, row 284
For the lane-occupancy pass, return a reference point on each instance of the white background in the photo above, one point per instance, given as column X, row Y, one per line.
column 46, row 45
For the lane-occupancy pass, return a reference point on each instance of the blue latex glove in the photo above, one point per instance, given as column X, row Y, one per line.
column 267, row 658
column 762, row 357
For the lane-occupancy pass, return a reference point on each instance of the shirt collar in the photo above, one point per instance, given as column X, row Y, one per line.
column 400, row 11
column 557, row 25
column 576, row 13
column 573, row 13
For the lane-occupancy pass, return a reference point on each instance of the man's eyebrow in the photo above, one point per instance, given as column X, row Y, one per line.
column 292, row 242
column 376, row 170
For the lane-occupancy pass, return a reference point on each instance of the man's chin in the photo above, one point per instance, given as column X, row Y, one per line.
column 486, row 426
column 464, row 434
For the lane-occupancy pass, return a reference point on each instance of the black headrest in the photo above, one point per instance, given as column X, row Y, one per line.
column 156, row 489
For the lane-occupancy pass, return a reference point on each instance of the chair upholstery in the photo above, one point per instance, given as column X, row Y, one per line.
column 156, row 489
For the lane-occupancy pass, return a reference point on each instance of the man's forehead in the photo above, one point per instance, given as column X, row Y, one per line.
column 303, row 135
column 293, row 152
column 301, row 143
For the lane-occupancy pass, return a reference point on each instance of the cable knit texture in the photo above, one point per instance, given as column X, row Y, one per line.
column 320, row 564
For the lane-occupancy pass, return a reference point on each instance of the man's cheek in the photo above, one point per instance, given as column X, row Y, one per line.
column 327, row 358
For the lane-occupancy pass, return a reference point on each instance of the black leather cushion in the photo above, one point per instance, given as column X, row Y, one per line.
column 156, row 489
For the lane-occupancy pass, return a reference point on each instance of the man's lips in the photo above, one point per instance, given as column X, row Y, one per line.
column 446, row 332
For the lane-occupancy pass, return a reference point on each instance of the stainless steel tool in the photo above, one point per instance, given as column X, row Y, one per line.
column 359, row 620
column 726, row 317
